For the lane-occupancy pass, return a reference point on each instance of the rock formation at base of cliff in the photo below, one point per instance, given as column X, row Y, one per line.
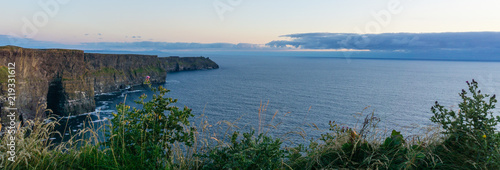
column 65, row 81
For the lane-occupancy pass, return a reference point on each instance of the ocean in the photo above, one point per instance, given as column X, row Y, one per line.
column 301, row 93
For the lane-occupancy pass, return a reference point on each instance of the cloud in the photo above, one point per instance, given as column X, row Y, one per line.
column 128, row 46
column 29, row 43
column 392, row 41
column 160, row 46
column 472, row 41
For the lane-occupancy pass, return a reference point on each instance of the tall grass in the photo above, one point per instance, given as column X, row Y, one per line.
column 222, row 145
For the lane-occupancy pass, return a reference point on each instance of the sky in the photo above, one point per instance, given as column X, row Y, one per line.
column 246, row 24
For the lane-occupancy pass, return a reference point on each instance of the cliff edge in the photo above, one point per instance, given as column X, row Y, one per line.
column 66, row 81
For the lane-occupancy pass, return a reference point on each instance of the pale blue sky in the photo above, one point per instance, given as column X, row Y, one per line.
column 251, row 21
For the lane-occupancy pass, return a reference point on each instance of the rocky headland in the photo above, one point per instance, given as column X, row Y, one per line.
column 66, row 81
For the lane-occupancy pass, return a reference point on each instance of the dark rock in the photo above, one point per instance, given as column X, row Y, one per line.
column 175, row 63
column 66, row 81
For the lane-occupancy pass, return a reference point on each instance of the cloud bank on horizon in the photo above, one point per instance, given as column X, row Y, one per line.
column 393, row 41
column 302, row 41
column 161, row 46
column 128, row 46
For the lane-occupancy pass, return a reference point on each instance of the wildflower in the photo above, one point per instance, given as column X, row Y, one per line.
column 484, row 136
column 147, row 77
column 353, row 136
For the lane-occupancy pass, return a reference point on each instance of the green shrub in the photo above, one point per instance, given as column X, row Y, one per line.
column 262, row 152
column 147, row 134
column 150, row 138
column 471, row 138
column 343, row 147
column 398, row 156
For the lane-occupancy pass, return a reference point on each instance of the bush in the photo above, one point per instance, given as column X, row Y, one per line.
column 343, row 147
column 263, row 152
column 147, row 134
column 471, row 138
column 145, row 139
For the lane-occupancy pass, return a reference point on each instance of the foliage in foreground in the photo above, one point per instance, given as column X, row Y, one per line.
column 153, row 137
column 262, row 152
column 345, row 148
column 471, row 138
column 146, row 135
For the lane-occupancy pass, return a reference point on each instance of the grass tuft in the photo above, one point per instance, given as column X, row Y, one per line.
column 137, row 140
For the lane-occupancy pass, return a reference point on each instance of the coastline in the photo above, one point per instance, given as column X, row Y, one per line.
column 67, row 81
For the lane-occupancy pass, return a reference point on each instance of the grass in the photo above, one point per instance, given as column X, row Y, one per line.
column 209, row 151
column 341, row 150
column 3, row 74
column 364, row 146
column 107, row 71
column 148, row 69
column 67, row 79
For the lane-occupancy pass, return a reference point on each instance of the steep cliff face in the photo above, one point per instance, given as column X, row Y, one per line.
column 49, row 78
column 111, row 72
column 66, row 81
column 174, row 64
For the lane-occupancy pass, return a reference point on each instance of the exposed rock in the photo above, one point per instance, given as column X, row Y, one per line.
column 66, row 81
column 174, row 63
column 112, row 72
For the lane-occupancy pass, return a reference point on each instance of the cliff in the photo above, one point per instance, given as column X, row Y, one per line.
column 174, row 63
column 66, row 81
column 112, row 72
column 48, row 78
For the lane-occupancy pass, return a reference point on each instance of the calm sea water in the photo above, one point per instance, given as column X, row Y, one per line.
column 314, row 90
